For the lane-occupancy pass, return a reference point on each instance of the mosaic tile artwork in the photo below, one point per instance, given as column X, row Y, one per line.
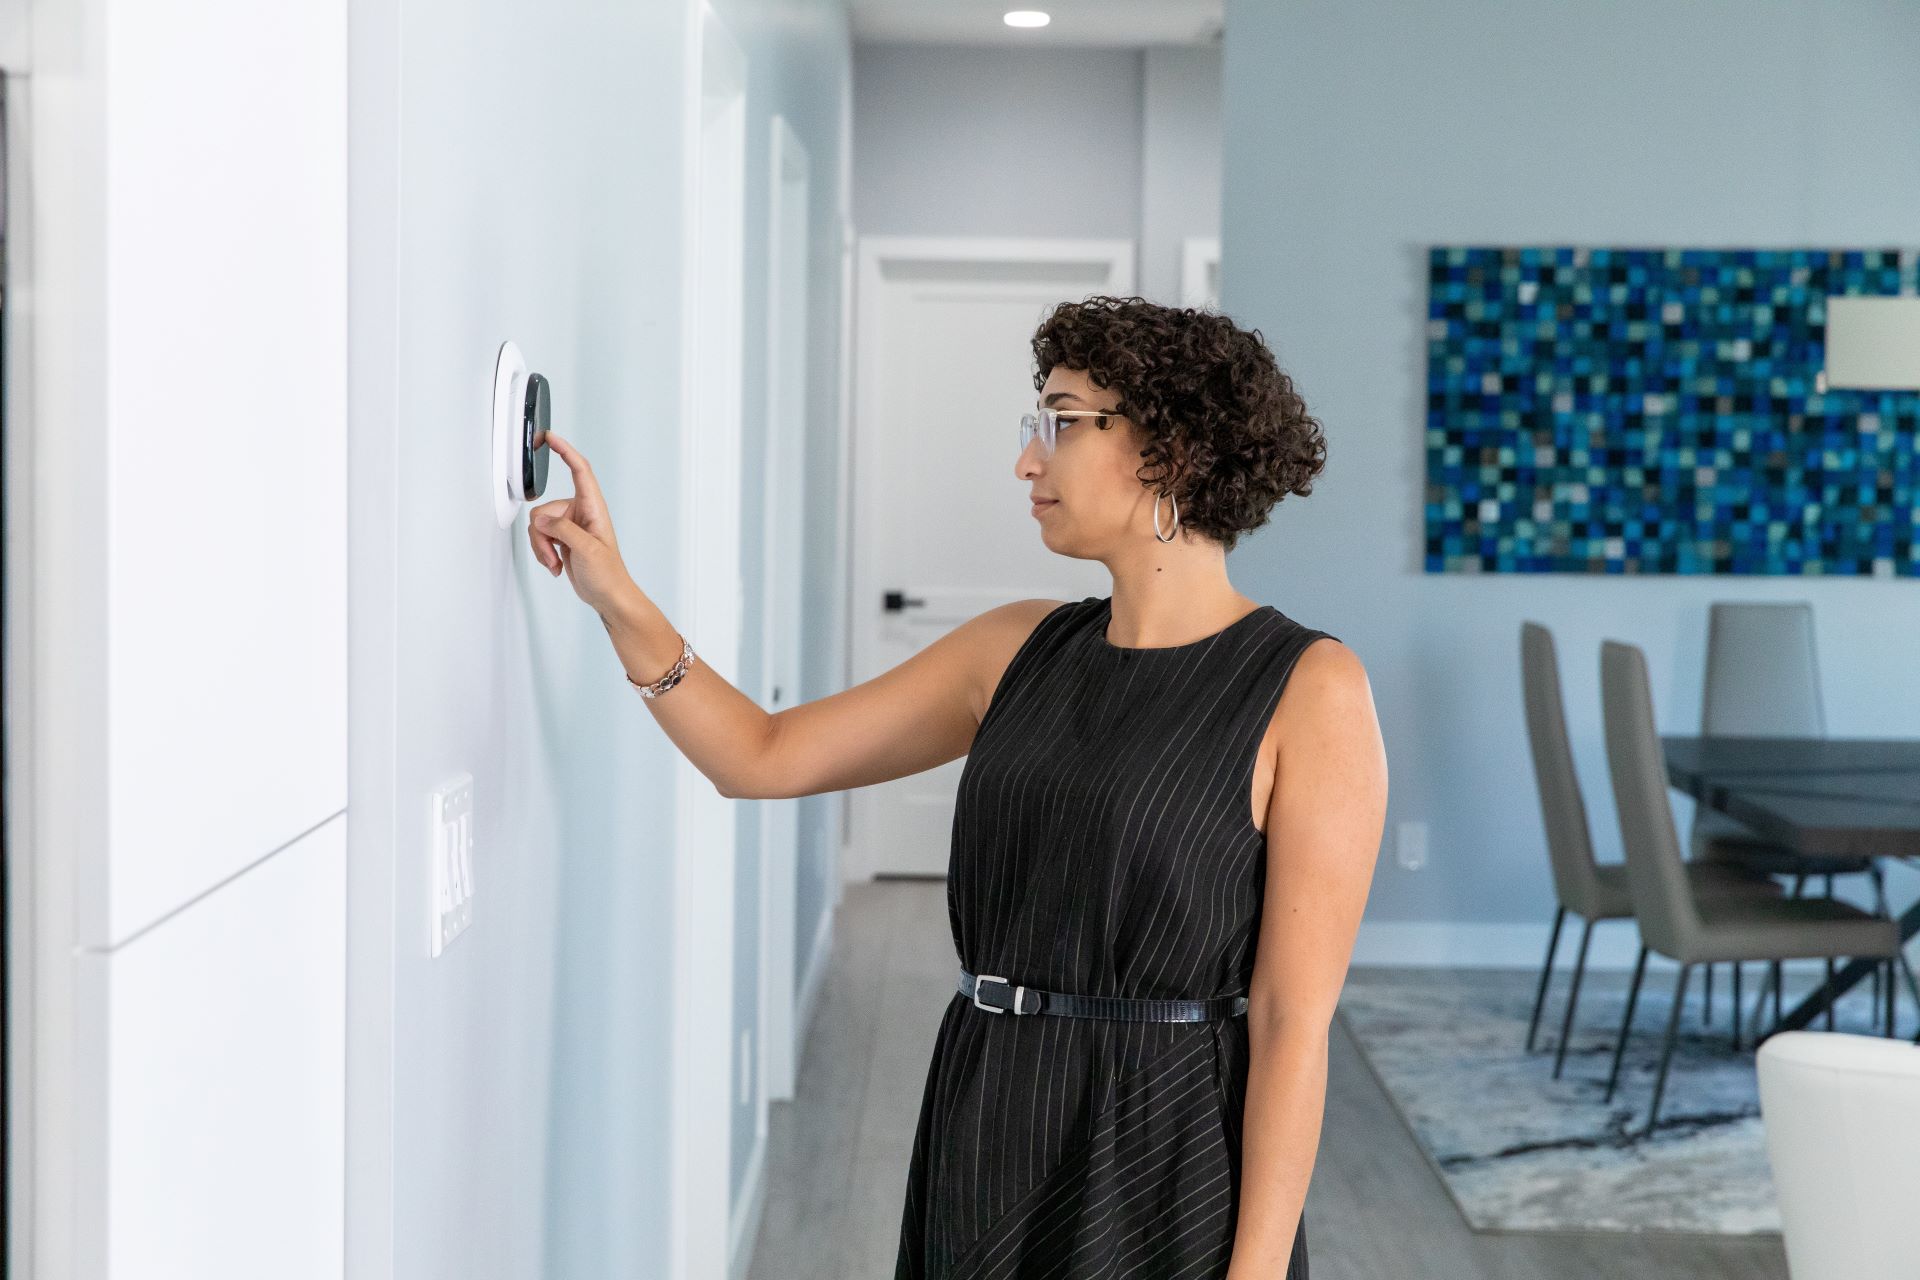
column 1596, row 410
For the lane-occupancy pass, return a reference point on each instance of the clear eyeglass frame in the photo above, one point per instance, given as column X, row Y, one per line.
column 1046, row 424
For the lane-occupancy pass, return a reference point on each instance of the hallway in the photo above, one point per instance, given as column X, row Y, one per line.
column 390, row 895
column 838, row 1152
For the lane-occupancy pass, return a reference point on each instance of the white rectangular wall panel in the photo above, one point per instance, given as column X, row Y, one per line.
column 226, row 373
column 224, row 1095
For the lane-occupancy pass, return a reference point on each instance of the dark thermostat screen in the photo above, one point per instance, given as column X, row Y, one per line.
column 534, row 453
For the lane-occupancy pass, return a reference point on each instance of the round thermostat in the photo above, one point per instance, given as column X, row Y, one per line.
column 522, row 411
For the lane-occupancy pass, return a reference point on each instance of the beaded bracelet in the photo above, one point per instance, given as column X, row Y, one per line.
column 667, row 681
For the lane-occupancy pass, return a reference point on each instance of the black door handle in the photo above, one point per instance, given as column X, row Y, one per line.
column 895, row 601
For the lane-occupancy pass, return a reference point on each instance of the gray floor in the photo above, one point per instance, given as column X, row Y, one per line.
column 838, row 1152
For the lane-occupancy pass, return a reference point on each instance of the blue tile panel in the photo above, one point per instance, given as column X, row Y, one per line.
column 1654, row 411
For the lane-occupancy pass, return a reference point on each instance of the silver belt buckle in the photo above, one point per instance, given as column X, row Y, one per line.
column 994, row 977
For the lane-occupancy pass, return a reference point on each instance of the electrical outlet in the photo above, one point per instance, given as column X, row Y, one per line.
column 450, row 853
column 1410, row 844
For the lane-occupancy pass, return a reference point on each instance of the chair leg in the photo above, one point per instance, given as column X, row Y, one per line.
column 1626, row 1023
column 1666, row 1051
column 1900, row 958
column 1888, row 1031
column 1760, row 1003
column 1706, row 1000
column 1830, row 1002
column 1880, row 908
column 1546, row 971
column 1573, row 997
column 1798, row 881
column 1736, row 1005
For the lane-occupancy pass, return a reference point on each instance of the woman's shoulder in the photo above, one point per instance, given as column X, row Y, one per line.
column 1325, row 677
column 1299, row 635
column 1000, row 635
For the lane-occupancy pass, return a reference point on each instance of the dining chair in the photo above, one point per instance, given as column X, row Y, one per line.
column 1680, row 924
column 1763, row 680
column 1581, row 884
column 1841, row 1114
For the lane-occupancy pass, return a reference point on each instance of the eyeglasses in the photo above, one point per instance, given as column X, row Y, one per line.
column 1046, row 424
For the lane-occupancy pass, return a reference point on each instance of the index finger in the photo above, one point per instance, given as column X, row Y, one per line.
column 584, row 483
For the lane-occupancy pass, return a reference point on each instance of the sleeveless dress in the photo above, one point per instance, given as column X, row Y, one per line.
column 1103, row 843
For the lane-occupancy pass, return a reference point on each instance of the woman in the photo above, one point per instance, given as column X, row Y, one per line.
column 1152, row 849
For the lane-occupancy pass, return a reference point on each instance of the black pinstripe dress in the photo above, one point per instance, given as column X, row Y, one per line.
column 1103, row 843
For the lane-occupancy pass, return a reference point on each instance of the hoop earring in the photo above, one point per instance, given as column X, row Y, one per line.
column 1175, row 531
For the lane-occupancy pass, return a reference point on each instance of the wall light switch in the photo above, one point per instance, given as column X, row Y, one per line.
column 1411, row 839
column 450, row 906
column 1872, row 343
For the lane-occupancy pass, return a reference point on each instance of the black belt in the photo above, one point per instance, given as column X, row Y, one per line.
column 990, row 989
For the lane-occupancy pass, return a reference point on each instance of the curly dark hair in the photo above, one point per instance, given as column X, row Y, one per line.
column 1228, row 435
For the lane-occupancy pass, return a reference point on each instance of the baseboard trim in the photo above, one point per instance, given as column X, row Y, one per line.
column 1437, row 944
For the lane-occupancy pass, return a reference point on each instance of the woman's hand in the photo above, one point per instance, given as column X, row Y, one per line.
column 576, row 534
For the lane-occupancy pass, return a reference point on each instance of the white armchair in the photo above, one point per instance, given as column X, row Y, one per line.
column 1842, row 1119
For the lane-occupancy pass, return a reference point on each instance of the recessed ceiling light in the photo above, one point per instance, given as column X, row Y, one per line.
column 1026, row 18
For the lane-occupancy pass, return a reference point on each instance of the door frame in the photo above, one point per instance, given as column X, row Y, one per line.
column 39, row 1001
column 1198, row 254
column 54, row 444
column 876, row 254
column 788, row 167
column 701, row 1224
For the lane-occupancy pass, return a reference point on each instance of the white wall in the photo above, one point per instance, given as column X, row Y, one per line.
column 1358, row 136
column 984, row 140
column 520, row 1082
column 266, row 1074
column 186, row 291
column 516, row 176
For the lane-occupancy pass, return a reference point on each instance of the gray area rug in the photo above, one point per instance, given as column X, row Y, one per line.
column 1521, row 1151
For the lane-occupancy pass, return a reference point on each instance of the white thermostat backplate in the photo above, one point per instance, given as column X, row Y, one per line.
column 509, row 408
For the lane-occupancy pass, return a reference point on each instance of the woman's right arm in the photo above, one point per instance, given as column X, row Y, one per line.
column 920, row 714
column 913, row 717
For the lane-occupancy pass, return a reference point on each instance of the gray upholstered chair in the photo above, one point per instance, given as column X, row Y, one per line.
column 1581, row 884
column 1687, row 927
column 1763, row 680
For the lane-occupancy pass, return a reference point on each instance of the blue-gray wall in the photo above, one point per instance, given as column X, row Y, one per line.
column 979, row 140
column 985, row 140
column 1180, row 160
column 1357, row 135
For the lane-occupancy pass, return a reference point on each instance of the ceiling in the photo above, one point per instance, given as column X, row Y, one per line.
column 1106, row 23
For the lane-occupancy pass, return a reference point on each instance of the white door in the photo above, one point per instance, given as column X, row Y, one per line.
column 941, row 525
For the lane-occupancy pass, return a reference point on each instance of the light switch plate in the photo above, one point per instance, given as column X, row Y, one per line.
column 450, row 851
column 1872, row 343
column 1412, row 845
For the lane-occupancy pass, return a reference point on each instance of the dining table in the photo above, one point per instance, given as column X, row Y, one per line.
column 1858, row 797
